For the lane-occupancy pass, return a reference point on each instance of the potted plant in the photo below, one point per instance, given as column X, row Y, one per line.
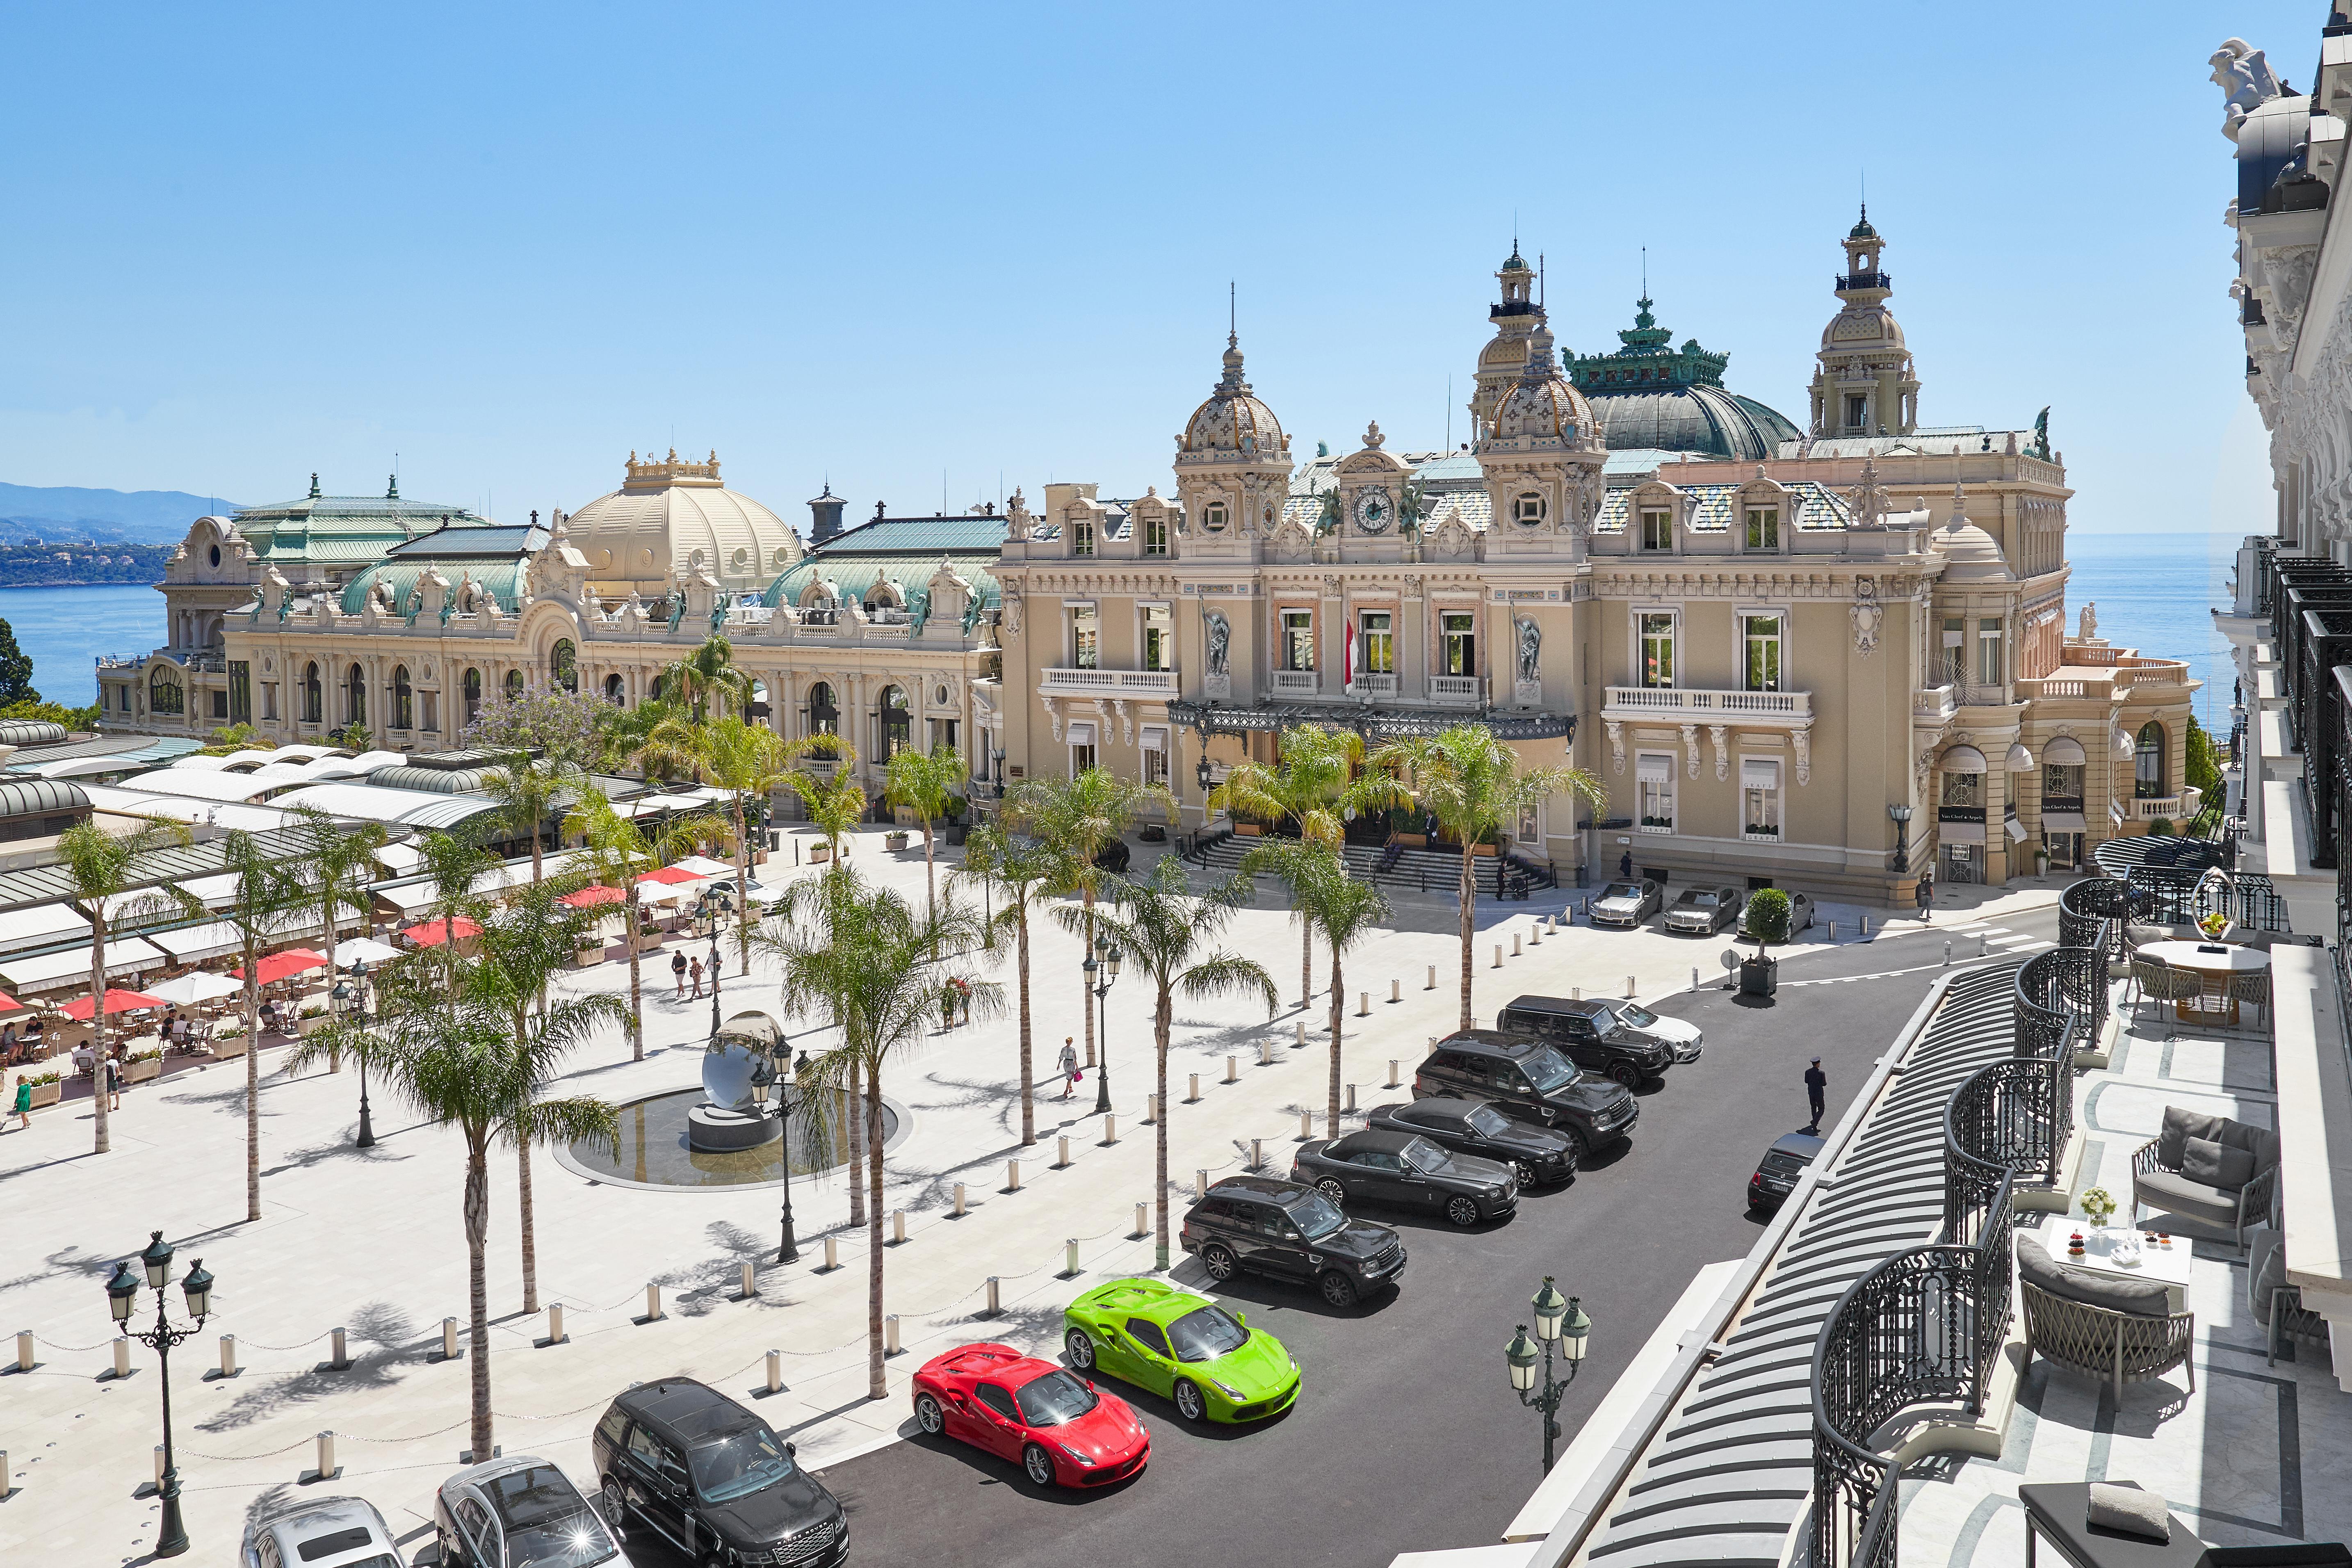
column 895, row 840
column 819, row 854
column 1488, row 844
column 139, row 1066
column 2041, row 860
column 2159, row 828
column 958, row 830
column 46, row 1089
column 1767, row 922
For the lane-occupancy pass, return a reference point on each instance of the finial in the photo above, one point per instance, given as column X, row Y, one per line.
column 1372, row 437
column 314, row 486
column 1233, row 314
column 392, row 488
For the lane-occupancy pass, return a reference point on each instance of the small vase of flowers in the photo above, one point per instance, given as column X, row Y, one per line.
column 2098, row 1206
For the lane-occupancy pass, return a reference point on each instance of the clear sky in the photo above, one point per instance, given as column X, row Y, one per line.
column 878, row 245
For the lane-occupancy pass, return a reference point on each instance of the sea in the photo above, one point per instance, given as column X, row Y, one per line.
column 2155, row 593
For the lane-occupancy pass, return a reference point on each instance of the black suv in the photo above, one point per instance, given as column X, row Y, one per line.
column 1782, row 1168
column 1588, row 1033
column 681, row 1460
column 1536, row 1154
column 1292, row 1232
column 1527, row 1079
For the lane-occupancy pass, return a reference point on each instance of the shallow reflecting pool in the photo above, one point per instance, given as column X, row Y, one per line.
column 654, row 1151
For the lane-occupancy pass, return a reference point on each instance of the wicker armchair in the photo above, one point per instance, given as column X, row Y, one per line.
column 2252, row 990
column 2165, row 983
column 2100, row 1326
column 2158, row 1182
column 2277, row 1305
column 2146, row 975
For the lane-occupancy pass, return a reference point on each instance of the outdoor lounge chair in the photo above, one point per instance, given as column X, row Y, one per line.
column 2232, row 1187
column 2099, row 1325
column 2058, row 1514
column 2277, row 1305
column 2252, row 990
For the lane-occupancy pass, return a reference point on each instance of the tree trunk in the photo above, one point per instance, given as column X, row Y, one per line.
column 1468, row 898
column 1306, row 960
column 529, row 1244
column 252, row 1079
column 876, row 1385
column 1162, row 1015
column 97, row 1020
column 334, row 1058
column 636, row 977
column 1339, row 1007
column 1028, row 1079
column 478, row 1288
column 930, row 894
column 537, row 823
column 856, row 1125
column 1086, row 992
column 743, row 886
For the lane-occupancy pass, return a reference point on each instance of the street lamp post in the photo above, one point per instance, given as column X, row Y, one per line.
column 788, row 1250
column 122, row 1297
column 348, row 999
column 1558, row 1322
column 1901, row 816
column 715, row 907
column 1099, row 979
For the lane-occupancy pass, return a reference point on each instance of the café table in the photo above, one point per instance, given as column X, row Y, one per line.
column 2218, row 964
column 2167, row 1266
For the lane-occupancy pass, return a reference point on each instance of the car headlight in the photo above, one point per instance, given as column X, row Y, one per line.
column 1232, row 1393
column 1086, row 1459
column 1294, row 1361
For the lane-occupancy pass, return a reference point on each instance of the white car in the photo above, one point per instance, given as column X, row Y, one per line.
column 321, row 1533
column 1687, row 1040
column 522, row 1512
column 1626, row 903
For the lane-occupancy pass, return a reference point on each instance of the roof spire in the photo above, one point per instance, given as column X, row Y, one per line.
column 314, row 486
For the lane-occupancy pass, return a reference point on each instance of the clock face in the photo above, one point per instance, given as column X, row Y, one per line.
column 1373, row 514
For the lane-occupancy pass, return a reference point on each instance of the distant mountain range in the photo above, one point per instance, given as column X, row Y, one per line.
column 70, row 514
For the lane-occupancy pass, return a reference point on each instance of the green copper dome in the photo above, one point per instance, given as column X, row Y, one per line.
column 1650, row 395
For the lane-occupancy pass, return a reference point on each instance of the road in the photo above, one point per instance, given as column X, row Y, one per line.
column 1407, row 1436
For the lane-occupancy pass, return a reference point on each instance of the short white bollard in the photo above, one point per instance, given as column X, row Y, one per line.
column 327, row 1456
column 958, row 1200
column 1363, row 1003
column 1199, row 1184
column 1861, row 926
column 1142, row 1219
column 1394, row 1078
column 1070, row 1257
column 1833, row 931
column 1150, row 1110
column 1432, row 979
column 1257, row 1154
column 890, row 1335
column 555, row 1323
column 229, row 1355
column 448, row 1339
column 652, row 1303
column 1947, row 952
column 1396, row 991
column 1498, row 955
column 897, row 1228
column 1064, row 1145
column 1306, row 1125
column 7, row 1487
column 833, row 1253
column 1195, row 1093
column 994, row 1304
column 159, row 1467
column 122, row 1355
column 1301, row 1041
column 1984, row 942
column 1693, row 976
column 1629, row 985
column 1352, row 1097
column 1111, row 1128
column 775, row 1371
column 1537, row 939
column 1516, row 950
column 1011, row 1175
column 1576, row 993
column 339, row 1355
column 1266, row 1053
column 1232, row 1069
column 750, row 1272
column 24, row 1349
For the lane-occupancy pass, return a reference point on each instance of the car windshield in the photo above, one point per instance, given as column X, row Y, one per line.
column 1055, row 1399
column 1206, row 1333
column 573, row 1542
column 548, row 1525
column 1426, row 1157
column 1639, row 1017
column 1488, row 1119
column 1548, row 1069
column 1699, row 900
column 1620, row 890
column 738, row 1464
column 1315, row 1215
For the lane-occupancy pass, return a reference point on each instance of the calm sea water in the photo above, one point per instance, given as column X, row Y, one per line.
column 2154, row 591
column 65, row 630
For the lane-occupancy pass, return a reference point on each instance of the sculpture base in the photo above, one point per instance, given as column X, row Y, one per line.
column 716, row 1129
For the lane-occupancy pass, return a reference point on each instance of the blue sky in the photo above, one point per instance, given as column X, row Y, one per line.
column 878, row 245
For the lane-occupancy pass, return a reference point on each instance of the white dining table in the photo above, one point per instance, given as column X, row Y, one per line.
column 2218, row 968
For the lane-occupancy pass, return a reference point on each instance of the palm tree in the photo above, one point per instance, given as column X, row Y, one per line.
column 339, row 859
column 522, row 948
column 1305, row 787
column 868, row 957
column 1473, row 785
column 266, row 900
column 1165, row 932
column 835, row 806
column 530, row 788
column 1024, row 874
column 924, row 782
column 750, row 762
column 461, row 1064
column 451, row 863
column 708, row 671
column 1344, row 907
column 102, row 869
column 619, row 855
column 1078, row 819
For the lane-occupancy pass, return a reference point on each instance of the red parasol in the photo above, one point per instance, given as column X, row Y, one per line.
column 279, row 965
column 433, row 934
column 670, row 875
column 116, row 1002
column 589, row 897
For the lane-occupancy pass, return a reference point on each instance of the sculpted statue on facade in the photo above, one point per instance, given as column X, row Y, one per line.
column 2090, row 619
column 2246, row 81
column 1868, row 616
column 1530, row 647
column 1221, row 636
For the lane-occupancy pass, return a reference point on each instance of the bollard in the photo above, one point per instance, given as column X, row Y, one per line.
column 1266, row 1053
column 1011, row 1175
column 1396, row 991
column 994, row 1305
column 1363, row 1003
column 1142, row 1220
column 1576, row 993
column 1498, row 955
column 833, row 1252
column 750, row 1272
column 555, row 1323
column 1515, row 949
column 890, row 1335
column 122, row 1355
column 1833, row 931
column 652, row 1303
column 1150, row 1110
column 1070, row 1257
column 1693, row 976
column 1984, row 943
column 1947, row 952
column 775, row 1371
column 448, row 1339
column 1200, row 1183
column 1195, row 1094
column 1257, row 1154
column 7, row 1488
column 1351, row 1098
column 1064, row 1145
column 1861, row 926
column 1306, row 1125
column 1432, row 979
column 159, row 1467
column 1629, row 985
column 958, row 1197
column 229, row 1355
column 1393, row 1077
column 327, row 1469
column 1111, row 1128
column 24, row 1349
column 1302, row 1034
column 338, row 1358
column 899, row 1225
column 1232, row 1069
column 1537, row 939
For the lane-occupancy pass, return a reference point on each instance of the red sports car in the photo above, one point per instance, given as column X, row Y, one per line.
column 1046, row 1418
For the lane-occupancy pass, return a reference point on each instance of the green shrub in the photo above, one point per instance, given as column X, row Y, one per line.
column 2160, row 828
column 1767, row 917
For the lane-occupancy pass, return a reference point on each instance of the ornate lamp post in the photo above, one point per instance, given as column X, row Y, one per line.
column 349, row 1001
column 715, row 907
column 775, row 1076
column 1558, row 1322
column 122, row 1297
column 1901, row 816
column 1099, row 980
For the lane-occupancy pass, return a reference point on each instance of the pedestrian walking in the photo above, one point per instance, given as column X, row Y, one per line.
column 694, row 973
column 678, row 973
column 23, row 1107
column 946, row 1006
column 1926, row 893
column 113, row 1084
column 1070, row 1072
column 1817, row 1084
column 1625, row 867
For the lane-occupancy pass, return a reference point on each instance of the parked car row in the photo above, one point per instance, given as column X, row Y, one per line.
column 1695, row 911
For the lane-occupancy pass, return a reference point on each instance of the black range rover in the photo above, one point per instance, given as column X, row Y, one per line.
column 1527, row 1079
column 1590, row 1035
column 1292, row 1232
column 680, row 1460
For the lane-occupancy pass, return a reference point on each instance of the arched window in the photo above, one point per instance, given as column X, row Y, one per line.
column 759, row 706
column 564, row 664
column 654, row 693
column 825, row 718
column 163, row 693
column 895, row 722
column 314, row 697
column 404, row 699
column 616, row 691
column 473, row 694
column 2147, row 763
column 355, row 696
column 514, row 684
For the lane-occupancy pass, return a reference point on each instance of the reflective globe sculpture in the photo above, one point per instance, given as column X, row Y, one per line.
column 729, row 1069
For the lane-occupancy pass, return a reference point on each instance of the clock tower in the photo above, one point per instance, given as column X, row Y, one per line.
column 1515, row 317
column 1541, row 452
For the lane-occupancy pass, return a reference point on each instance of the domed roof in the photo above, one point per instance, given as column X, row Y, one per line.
column 672, row 516
column 1542, row 405
column 1863, row 326
column 1232, row 419
column 1650, row 396
column 1971, row 553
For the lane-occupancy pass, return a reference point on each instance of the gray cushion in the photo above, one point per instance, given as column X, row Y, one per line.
column 2216, row 1164
column 2180, row 1123
column 2141, row 1297
column 2058, row 1512
column 2035, row 1264
column 2129, row 1509
column 2265, row 1270
column 2176, row 1194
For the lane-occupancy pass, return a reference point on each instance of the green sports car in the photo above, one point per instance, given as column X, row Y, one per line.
column 1183, row 1347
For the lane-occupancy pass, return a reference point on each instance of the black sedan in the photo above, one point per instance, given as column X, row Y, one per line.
column 1407, row 1171
column 1782, row 1167
column 1535, row 1155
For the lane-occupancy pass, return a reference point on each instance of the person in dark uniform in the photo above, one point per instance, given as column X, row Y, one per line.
column 1817, row 1084
column 1625, row 867
column 1926, row 893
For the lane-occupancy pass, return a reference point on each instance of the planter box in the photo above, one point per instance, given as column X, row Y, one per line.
column 47, row 1093
column 1411, row 840
column 1758, row 977
column 142, row 1072
column 894, row 842
column 819, row 854
column 1248, row 830
column 587, row 957
column 1488, row 850
column 228, row 1050
column 957, row 833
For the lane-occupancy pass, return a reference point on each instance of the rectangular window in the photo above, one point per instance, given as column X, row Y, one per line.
column 268, row 700
column 1657, row 531
column 1082, row 536
column 431, row 703
column 1988, row 652
column 1155, row 535
column 1763, row 528
column 239, row 696
column 1759, row 794
column 1299, row 639
column 1857, row 411
column 1658, row 650
column 1159, row 638
column 1081, row 759
column 1955, row 661
column 2061, row 782
column 1760, row 646
column 1085, row 638
column 1376, row 647
column 1155, row 768
column 1459, row 652
column 220, row 705
column 1656, row 779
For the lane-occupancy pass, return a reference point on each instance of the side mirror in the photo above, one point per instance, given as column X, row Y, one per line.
column 791, row 1450
column 1242, row 1318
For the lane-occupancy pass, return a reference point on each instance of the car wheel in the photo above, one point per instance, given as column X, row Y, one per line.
column 1462, row 1210
column 1337, row 1288
column 1080, row 1348
column 1218, row 1262
column 1333, row 1188
column 928, row 1416
column 1626, row 1073
column 1524, row 1171
column 1579, row 1149
column 1189, row 1403
column 616, row 1513
column 1038, row 1463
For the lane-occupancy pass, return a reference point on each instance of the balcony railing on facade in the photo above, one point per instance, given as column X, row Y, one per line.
column 1445, row 691
column 1076, row 681
column 1672, row 702
column 2182, row 807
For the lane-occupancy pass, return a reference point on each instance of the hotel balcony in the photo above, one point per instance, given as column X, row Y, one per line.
column 1458, row 690
column 1296, row 682
column 2173, row 808
column 1696, row 705
column 1152, row 685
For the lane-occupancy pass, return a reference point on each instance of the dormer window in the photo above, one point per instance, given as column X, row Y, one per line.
column 1213, row 517
column 1082, row 536
column 1763, row 528
column 1657, row 530
column 1529, row 509
column 1155, row 535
